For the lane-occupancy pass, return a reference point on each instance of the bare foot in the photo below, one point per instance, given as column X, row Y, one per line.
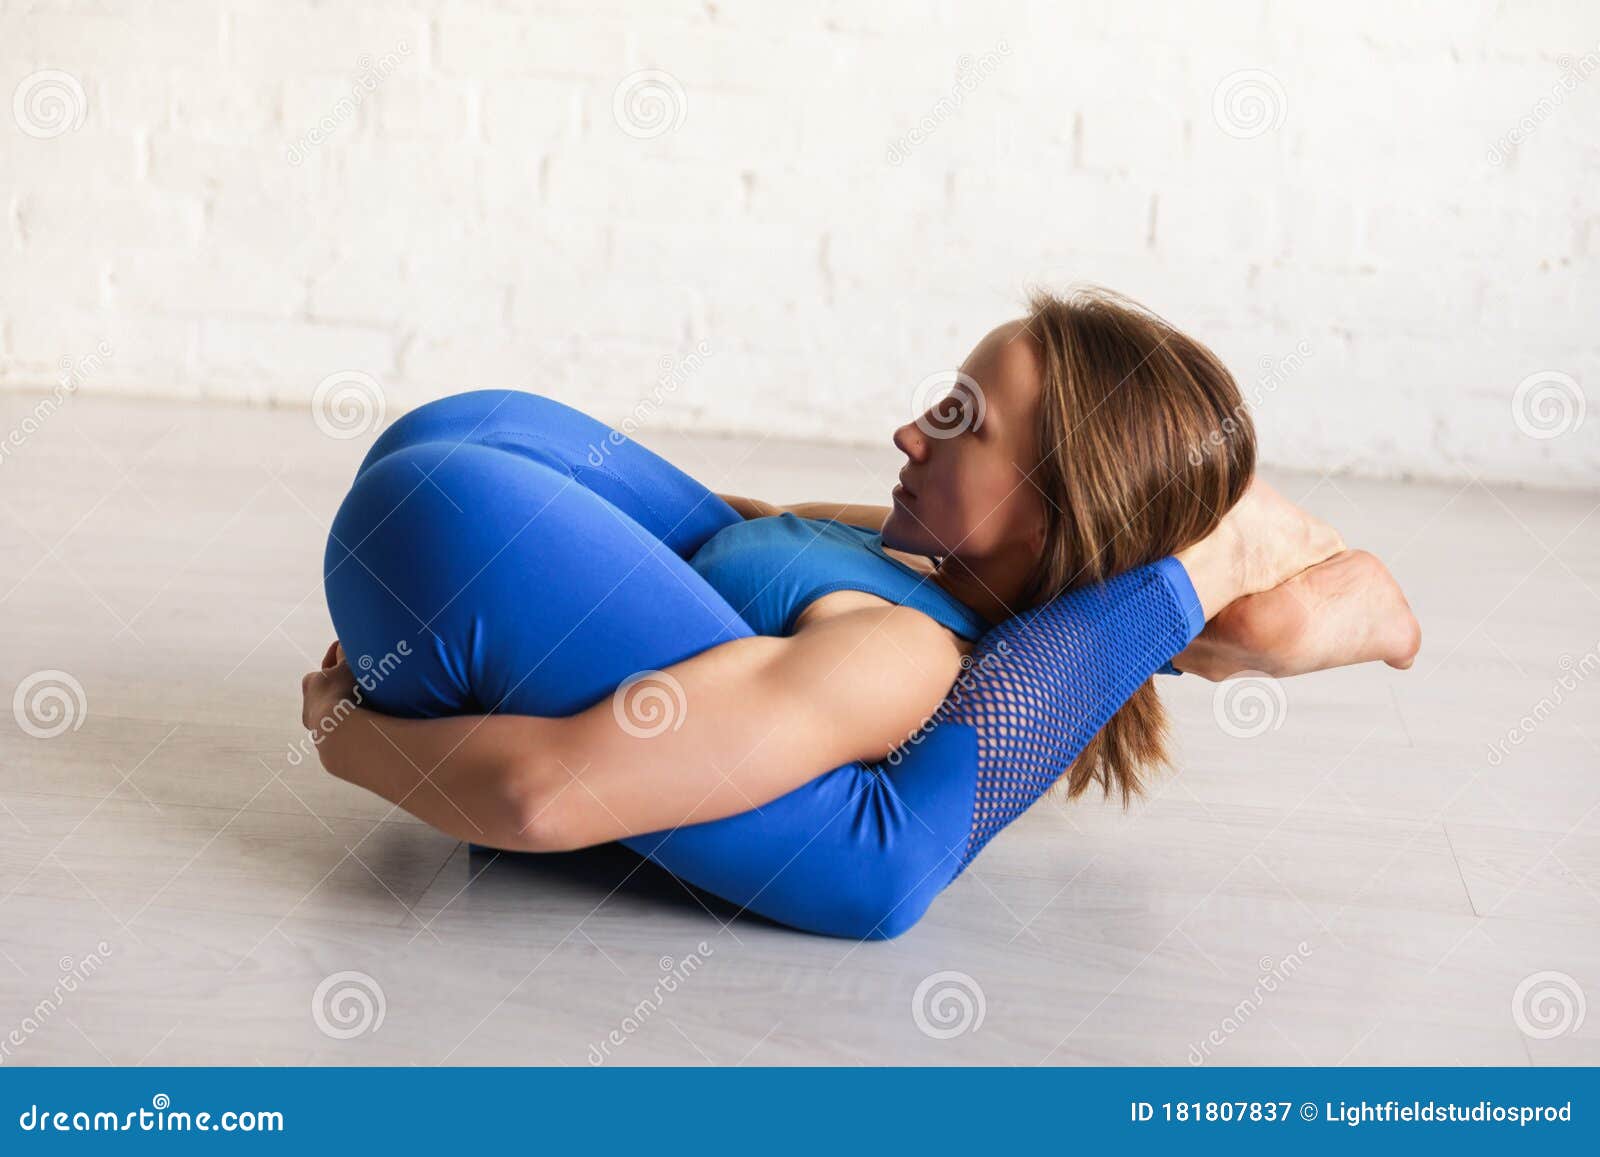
column 1274, row 540
column 1348, row 609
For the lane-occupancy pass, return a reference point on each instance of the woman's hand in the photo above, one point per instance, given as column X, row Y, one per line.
column 322, row 691
column 1262, row 541
column 1346, row 609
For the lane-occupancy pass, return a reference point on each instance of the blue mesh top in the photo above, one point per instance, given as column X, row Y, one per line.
column 772, row 568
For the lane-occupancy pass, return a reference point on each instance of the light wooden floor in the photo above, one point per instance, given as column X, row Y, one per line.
column 166, row 557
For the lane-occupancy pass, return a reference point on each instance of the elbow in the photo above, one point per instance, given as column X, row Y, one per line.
column 529, row 810
column 541, row 820
column 541, row 800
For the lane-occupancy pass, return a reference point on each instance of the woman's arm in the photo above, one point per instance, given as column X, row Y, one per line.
column 748, row 508
column 747, row 722
column 872, row 517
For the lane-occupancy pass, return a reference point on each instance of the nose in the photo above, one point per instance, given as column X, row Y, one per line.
column 911, row 441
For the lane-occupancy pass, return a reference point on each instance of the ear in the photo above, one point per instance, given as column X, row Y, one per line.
column 1036, row 535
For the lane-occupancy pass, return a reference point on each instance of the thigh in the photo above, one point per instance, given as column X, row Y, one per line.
column 504, row 586
column 671, row 505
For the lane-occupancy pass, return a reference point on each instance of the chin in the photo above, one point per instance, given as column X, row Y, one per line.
column 902, row 532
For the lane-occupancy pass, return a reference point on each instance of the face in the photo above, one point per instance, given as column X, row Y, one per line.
column 964, row 488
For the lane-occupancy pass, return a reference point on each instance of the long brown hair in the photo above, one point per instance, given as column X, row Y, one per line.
column 1145, row 444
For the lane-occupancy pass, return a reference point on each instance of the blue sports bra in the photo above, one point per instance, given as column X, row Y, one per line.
column 770, row 569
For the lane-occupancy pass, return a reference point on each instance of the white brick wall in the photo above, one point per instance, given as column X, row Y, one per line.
column 237, row 217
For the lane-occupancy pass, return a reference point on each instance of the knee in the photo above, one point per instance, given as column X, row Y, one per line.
column 468, row 416
column 400, row 535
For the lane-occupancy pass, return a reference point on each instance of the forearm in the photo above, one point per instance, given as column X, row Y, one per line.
column 1209, row 565
column 465, row 775
column 748, row 508
column 852, row 514
column 746, row 722
column 532, row 783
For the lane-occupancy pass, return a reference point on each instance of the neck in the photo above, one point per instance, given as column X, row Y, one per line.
column 991, row 589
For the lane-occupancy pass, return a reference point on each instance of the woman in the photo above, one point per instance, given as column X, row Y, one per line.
column 1056, row 539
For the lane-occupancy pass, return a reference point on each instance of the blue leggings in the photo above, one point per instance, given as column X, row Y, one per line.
column 533, row 559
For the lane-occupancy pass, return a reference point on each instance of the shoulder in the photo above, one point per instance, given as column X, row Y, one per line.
column 870, row 613
column 865, row 652
column 886, row 674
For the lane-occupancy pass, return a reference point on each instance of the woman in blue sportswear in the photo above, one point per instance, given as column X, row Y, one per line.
column 550, row 637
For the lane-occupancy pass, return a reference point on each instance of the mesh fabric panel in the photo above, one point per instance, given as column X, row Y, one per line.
column 1042, row 683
